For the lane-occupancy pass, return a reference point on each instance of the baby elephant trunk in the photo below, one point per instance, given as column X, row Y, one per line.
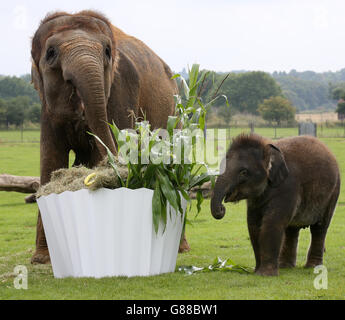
column 217, row 209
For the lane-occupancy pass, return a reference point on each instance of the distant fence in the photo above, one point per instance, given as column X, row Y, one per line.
column 324, row 130
column 20, row 135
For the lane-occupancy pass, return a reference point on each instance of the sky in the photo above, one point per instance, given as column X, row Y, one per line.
column 220, row 35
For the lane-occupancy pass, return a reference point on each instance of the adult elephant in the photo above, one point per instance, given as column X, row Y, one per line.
column 88, row 73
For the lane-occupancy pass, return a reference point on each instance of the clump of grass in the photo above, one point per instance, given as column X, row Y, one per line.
column 73, row 179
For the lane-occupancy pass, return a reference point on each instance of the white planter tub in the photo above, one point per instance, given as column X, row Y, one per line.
column 108, row 233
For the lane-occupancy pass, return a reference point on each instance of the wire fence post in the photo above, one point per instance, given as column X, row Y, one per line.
column 251, row 125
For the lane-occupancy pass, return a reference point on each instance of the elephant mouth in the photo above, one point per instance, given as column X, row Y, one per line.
column 76, row 101
column 232, row 196
column 80, row 105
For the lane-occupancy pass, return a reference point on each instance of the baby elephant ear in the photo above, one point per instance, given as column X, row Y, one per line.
column 222, row 166
column 278, row 170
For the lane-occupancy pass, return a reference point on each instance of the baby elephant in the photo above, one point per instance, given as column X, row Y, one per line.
column 291, row 184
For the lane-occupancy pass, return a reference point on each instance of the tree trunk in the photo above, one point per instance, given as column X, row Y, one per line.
column 19, row 184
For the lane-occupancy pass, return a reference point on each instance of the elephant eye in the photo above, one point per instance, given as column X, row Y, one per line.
column 243, row 173
column 108, row 52
column 51, row 55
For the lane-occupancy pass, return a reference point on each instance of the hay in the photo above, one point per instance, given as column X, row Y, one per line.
column 72, row 179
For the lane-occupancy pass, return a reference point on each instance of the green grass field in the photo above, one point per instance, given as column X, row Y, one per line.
column 208, row 238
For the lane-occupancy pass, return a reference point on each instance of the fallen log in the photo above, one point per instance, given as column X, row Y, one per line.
column 31, row 185
column 206, row 190
column 19, row 183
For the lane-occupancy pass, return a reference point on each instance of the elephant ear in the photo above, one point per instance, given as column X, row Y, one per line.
column 278, row 170
column 36, row 79
column 222, row 166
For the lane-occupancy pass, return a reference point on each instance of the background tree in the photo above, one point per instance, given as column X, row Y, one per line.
column 33, row 113
column 19, row 101
column 3, row 112
column 341, row 109
column 338, row 93
column 224, row 112
column 11, row 87
column 247, row 90
column 306, row 90
column 277, row 109
column 16, row 110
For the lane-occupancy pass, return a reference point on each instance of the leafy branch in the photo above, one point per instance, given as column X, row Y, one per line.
column 170, row 181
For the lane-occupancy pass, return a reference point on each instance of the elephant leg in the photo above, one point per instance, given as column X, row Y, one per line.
column 318, row 233
column 288, row 253
column 270, row 241
column 41, row 255
column 254, row 222
column 184, row 246
column 317, row 246
column 254, row 231
column 53, row 156
column 88, row 158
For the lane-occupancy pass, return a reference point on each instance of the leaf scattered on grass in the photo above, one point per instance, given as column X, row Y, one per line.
column 217, row 265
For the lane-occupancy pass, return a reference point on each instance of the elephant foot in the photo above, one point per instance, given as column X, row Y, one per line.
column 313, row 263
column 286, row 265
column 184, row 246
column 41, row 256
column 267, row 272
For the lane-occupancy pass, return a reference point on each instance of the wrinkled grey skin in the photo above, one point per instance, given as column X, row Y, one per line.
column 292, row 184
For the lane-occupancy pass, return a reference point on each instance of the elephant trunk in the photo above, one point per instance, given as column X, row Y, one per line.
column 86, row 72
column 219, row 192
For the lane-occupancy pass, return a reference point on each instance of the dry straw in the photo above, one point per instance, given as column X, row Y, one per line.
column 73, row 179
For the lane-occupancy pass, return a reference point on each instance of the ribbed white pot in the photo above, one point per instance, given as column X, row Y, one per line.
column 108, row 233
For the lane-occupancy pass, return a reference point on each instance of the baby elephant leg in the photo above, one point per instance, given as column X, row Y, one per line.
column 318, row 235
column 270, row 240
column 317, row 246
column 288, row 253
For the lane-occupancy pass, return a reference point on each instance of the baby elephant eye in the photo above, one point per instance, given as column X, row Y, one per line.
column 243, row 173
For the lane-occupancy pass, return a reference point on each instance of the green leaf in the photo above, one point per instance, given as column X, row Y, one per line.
column 168, row 190
column 111, row 158
column 149, row 175
column 156, row 207
column 216, row 98
column 115, row 131
column 179, row 203
column 219, row 265
column 213, row 181
column 199, row 180
column 184, row 193
column 175, row 76
column 153, row 138
column 163, row 211
column 172, row 123
column 185, row 88
column 200, row 200
column 193, row 75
